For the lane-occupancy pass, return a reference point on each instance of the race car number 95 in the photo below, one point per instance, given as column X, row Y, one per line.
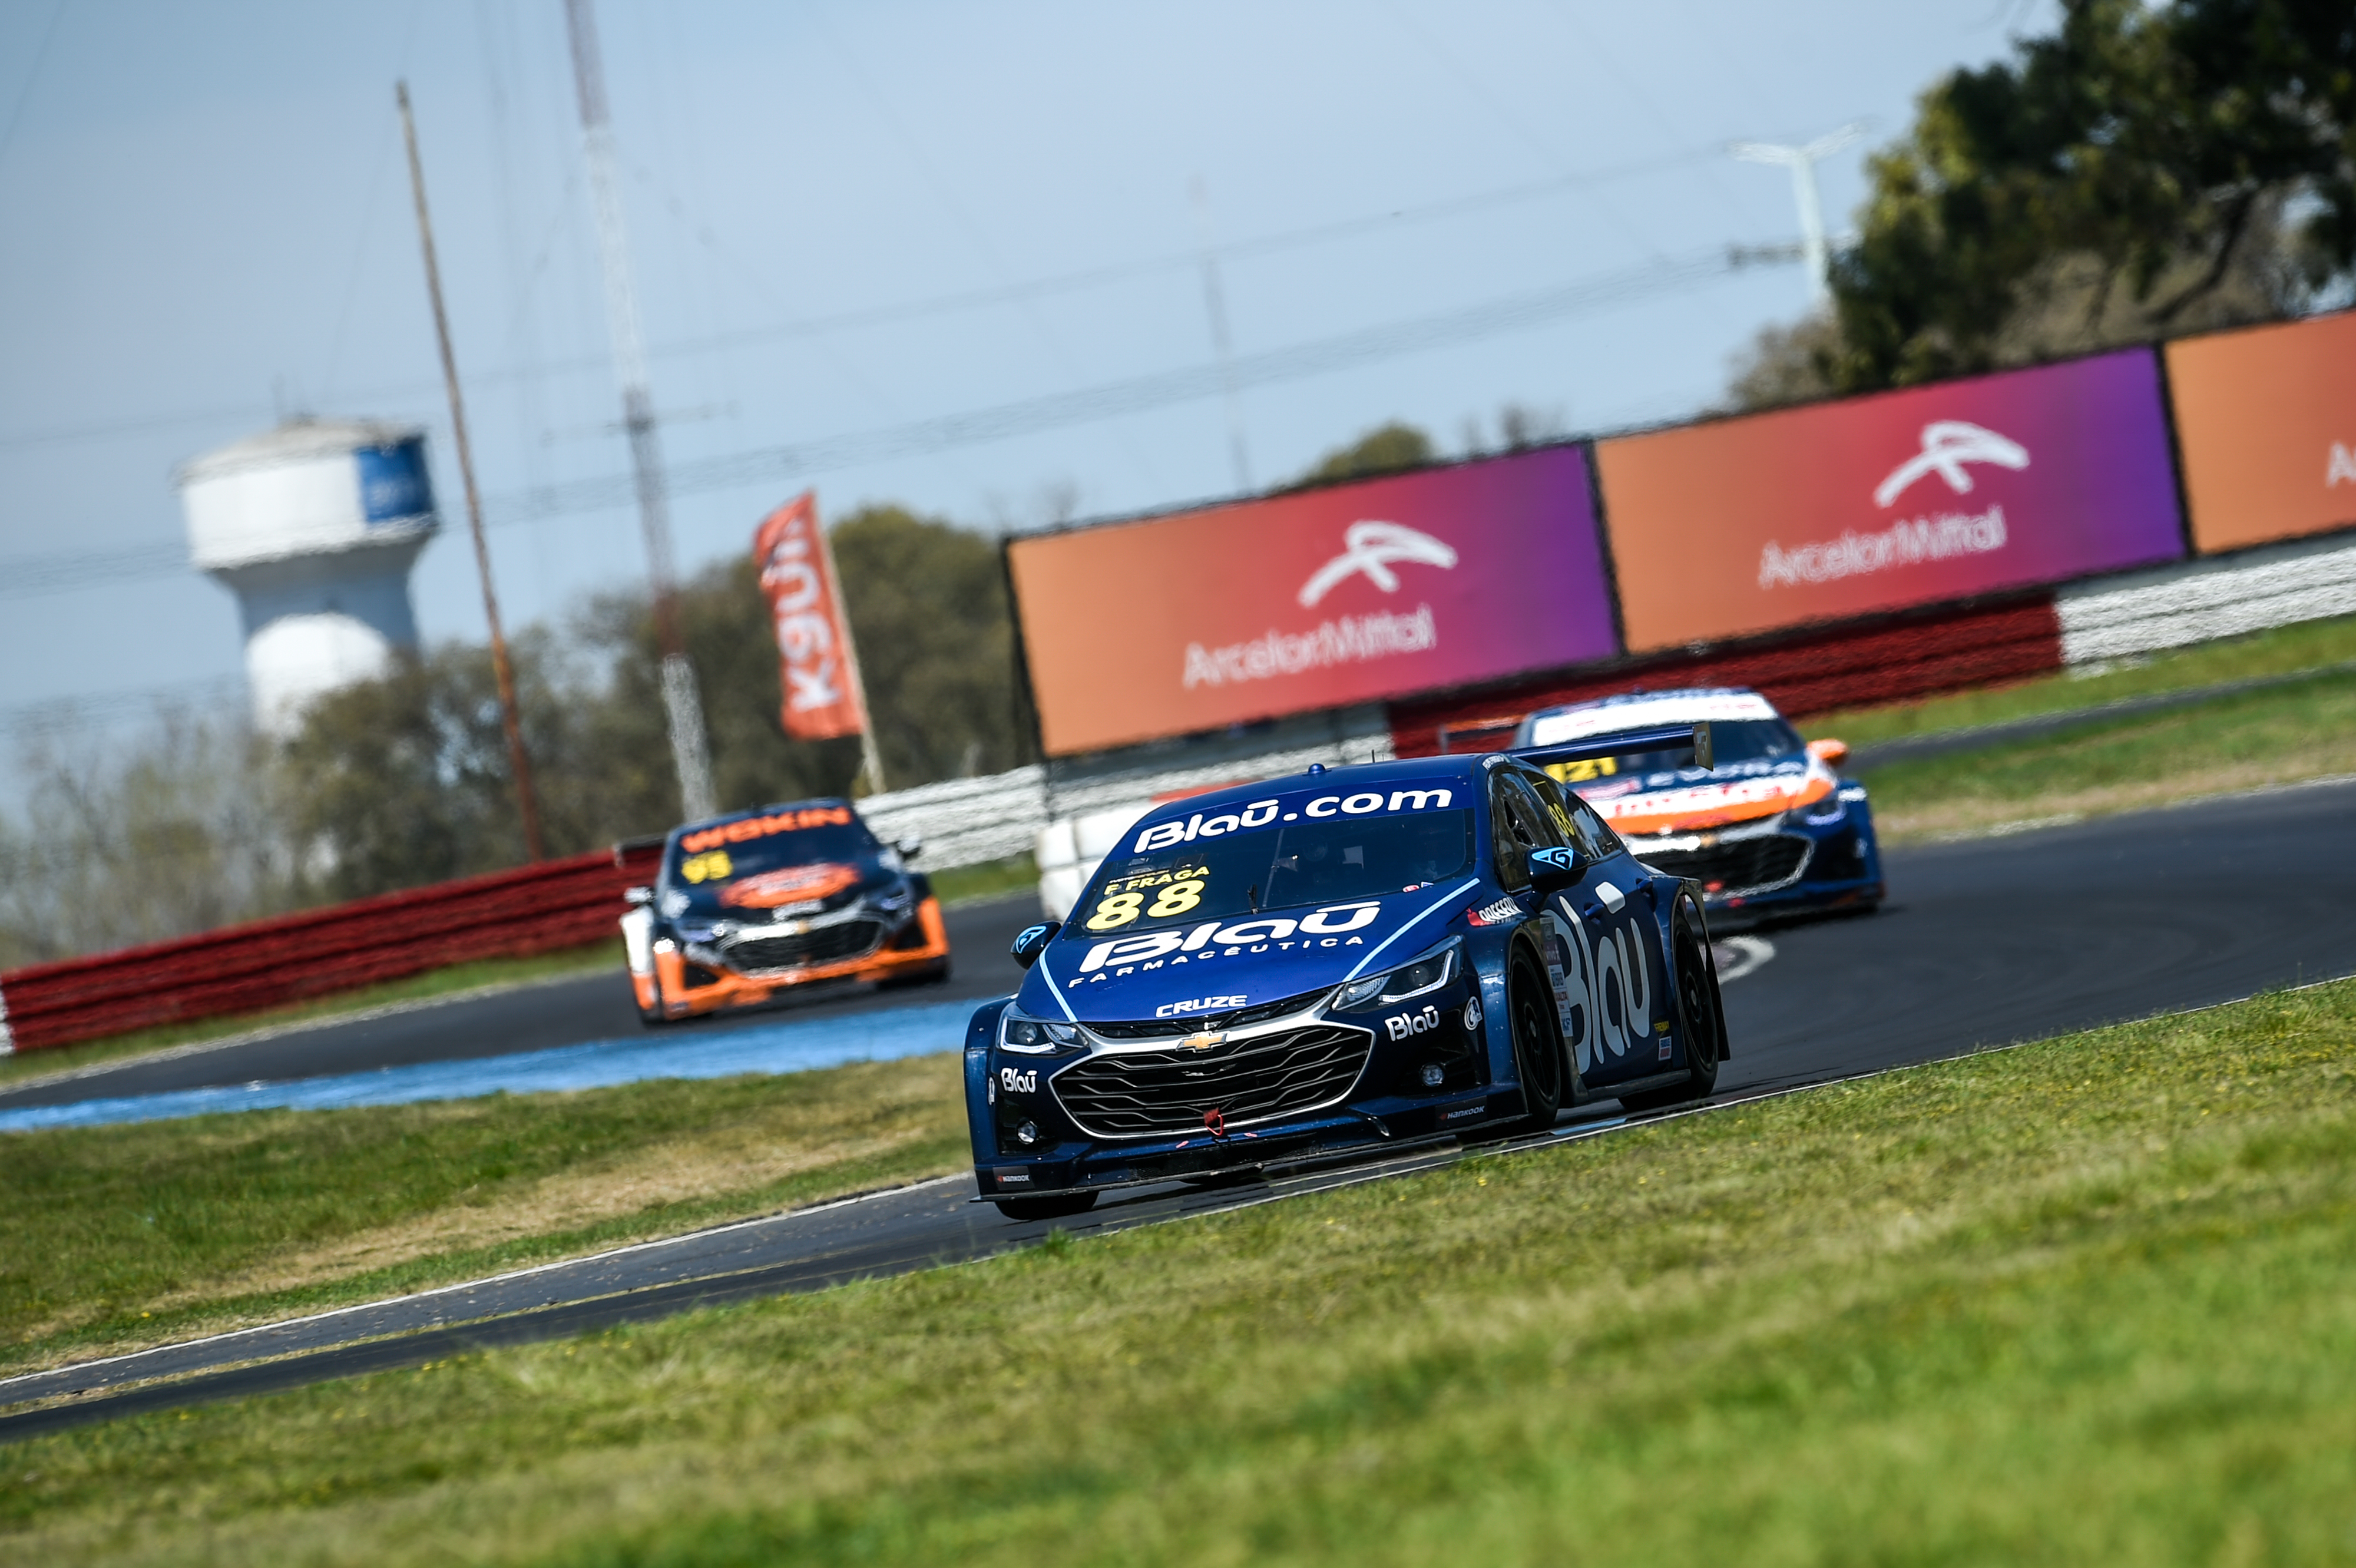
column 711, row 868
column 1118, row 909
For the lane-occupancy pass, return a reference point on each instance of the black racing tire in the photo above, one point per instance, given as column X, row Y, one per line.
column 1701, row 1013
column 1058, row 1206
column 1537, row 1043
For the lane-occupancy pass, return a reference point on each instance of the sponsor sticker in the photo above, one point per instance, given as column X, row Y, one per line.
column 1197, row 1005
column 750, row 828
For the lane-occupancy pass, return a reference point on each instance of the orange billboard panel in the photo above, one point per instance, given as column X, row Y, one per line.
column 2266, row 422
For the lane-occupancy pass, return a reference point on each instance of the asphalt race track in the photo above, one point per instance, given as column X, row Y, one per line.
column 1983, row 944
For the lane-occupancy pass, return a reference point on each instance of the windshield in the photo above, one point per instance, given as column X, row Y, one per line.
column 1732, row 742
column 1324, row 862
column 765, row 862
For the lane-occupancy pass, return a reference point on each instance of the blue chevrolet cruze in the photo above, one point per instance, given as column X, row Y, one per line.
column 1348, row 959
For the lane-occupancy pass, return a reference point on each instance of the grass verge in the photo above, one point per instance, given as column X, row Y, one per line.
column 432, row 984
column 2089, row 1300
column 2274, row 736
column 2281, row 651
column 957, row 885
column 114, row 1237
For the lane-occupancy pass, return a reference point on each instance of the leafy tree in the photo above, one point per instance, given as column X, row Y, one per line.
column 929, row 607
column 2146, row 170
column 1386, row 449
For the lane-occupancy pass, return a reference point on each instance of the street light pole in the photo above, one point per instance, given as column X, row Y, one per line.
column 682, row 708
column 1802, row 161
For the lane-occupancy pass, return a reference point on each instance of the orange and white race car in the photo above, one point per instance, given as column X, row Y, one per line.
column 751, row 906
column 1770, row 828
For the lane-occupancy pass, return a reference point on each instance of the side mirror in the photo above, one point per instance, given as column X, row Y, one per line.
column 638, row 895
column 1704, row 747
column 1033, row 941
column 1555, row 868
column 1831, row 753
column 910, row 848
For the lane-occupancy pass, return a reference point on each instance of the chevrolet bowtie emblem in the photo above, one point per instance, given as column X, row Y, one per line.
column 1202, row 1042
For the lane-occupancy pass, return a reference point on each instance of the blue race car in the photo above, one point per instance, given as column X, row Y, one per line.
column 1769, row 829
column 1346, row 960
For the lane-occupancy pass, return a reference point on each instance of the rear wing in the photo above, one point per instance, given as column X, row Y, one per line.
column 1665, row 737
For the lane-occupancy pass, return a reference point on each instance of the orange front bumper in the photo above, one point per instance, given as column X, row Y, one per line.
column 678, row 999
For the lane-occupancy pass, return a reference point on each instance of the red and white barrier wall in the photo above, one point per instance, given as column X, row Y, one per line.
column 239, row 968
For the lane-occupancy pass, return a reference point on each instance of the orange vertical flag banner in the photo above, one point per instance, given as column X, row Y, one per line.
column 820, row 675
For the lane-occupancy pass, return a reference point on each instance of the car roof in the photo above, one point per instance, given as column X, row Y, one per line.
column 1634, row 710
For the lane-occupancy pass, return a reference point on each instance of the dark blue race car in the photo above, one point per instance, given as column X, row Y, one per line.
column 1342, row 960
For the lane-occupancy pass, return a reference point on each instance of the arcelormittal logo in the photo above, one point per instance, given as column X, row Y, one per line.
column 1947, row 446
column 1371, row 549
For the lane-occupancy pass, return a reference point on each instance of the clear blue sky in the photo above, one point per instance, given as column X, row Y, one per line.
column 204, row 222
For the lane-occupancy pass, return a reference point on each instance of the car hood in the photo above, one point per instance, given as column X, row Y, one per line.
column 764, row 895
column 1691, row 798
column 1241, row 963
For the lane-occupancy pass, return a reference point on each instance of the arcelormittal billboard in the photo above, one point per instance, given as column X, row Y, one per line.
column 1877, row 503
column 1314, row 600
column 2266, row 420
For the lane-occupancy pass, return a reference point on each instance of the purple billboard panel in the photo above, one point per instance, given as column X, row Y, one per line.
column 1312, row 600
column 1904, row 498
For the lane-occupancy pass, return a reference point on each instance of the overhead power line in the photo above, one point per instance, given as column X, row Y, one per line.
column 30, row 576
column 951, row 303
column 1138, row 394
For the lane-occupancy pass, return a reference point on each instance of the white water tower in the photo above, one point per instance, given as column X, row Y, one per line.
column 314, row 526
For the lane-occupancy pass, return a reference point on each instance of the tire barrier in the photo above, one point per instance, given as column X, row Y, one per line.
column 266, row 964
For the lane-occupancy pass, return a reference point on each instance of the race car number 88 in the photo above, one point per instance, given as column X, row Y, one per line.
column 1120, row 908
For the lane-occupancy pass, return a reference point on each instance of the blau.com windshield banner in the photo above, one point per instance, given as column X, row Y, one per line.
column 1877, row 503
column 1312, row 600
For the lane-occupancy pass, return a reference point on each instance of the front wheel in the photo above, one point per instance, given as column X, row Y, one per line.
column 1701, row 1015
column 1056, row 1208
column 1537, row 1043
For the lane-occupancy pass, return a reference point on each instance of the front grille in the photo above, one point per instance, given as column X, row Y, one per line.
column 1199, row 1022
column 761, row 953
column 1746, row 865
column 1143, row 1094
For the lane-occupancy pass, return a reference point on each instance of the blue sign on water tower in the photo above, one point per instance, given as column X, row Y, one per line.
column 394, row 487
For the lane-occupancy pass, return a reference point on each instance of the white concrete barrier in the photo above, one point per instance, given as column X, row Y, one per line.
column 2198, row 601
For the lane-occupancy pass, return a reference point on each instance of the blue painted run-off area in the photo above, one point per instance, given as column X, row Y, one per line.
column 795, row 1047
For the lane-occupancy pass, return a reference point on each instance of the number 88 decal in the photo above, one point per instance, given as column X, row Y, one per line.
column 1118, row 909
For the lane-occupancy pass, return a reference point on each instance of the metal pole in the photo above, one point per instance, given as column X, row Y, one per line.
column 871, row 760
column 518, row 759
column 683, row 709
column 1215, row 300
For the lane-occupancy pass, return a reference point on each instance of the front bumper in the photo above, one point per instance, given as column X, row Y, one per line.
column 1776, row 867
column 683, row 984
column 1035, row 1134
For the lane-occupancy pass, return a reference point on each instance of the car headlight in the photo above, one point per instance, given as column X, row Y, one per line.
column 1026, row 1036
column 1823, row 812
column 1429, row 972
column 894, row 899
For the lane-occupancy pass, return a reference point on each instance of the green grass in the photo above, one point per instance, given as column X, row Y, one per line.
column 123, row 1235
column 957, row 885
column 2283, row 651
column 426, row 986
column 2273, row 735
column 2093, row 1300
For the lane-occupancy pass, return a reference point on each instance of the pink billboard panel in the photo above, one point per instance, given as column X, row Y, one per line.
column 1877, row 503
column 1312, row 600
